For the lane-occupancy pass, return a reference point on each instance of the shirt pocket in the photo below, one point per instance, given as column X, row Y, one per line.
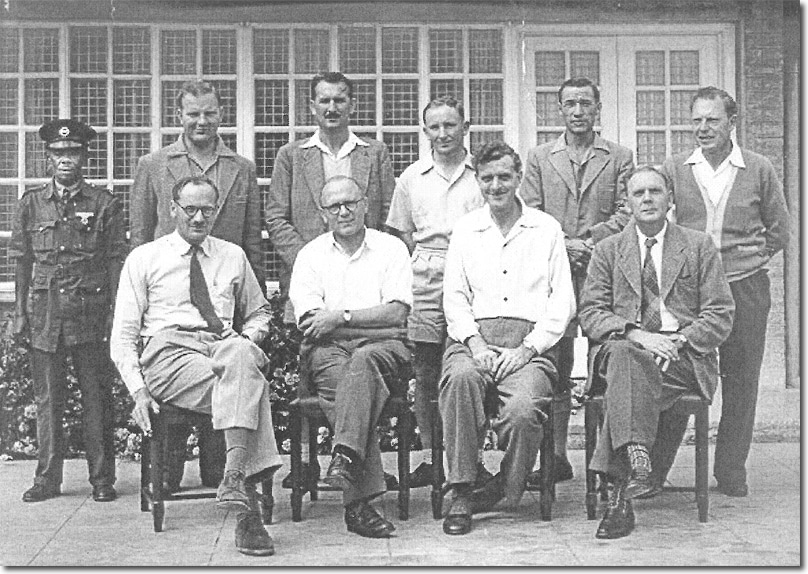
column 43, row 235
column 223, row 298
column 85, row 231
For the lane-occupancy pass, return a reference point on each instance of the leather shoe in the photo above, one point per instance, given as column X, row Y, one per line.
column 738, row 490
column 342, row 471
column 562, row 470
column 618, row 521
column 308, row 474
column 639, row 483
column 656, row 489
column 104, row 493
column 485, row 498
column 232, row 491
column 251, row 536
column 40, row 492
column 362, row 519
column 458, row 519
column 421, row 476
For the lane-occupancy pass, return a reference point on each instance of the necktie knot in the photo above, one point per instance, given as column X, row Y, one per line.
column 650, row 242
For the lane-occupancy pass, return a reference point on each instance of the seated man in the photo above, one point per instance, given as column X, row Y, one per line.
column 656, row 305
column 507, row 296
column 173, row 342
column 351, row 290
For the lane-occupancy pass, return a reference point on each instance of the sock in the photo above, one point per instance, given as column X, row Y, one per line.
column 236, row 440
column 638, row 457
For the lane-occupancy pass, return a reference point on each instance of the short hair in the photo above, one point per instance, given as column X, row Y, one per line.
column 492, row 151
column 330, row 78
column 648, row 168
column 192, row 180
column 195, row 88
column 713, row 93
column 338, row 178
column 449, row 102
column 579, row 82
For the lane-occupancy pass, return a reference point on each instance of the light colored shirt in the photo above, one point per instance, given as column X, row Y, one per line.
column 427, row 204
column 326, row 277
column 717, row 181
column 339, row 163
column 669, row 322
column 154, row 294
column 524, row 275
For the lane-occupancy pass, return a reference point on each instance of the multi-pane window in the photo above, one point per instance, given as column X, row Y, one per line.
column 666, row 80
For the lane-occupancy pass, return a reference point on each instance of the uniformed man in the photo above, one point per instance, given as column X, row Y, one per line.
column 69, row 242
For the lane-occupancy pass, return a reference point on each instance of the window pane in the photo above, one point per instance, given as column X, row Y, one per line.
column 229, row 140
column 271, row 103
column 9, row 50
column 272, row 261
column 454, row 88
column 8, row 102
column 168, row 139
column 684, row 67
column 226, row 94
column 650, row 68
column 680, row 107
column 585, row 64
column 8, row 202
column 303, row 115
column 127, row 149
column 681, row 141
column 266, row 148
column 219, row 52
column 401, row 108
column 41, row 100
column 41, row 50
column 479, row 139
column 131, row 51
column 545, row 137
column 8, row 155
column 88, row 101
column 547, row 110
column 271, row 51
column 132, row 105
column 399, row 50
column 88, row 50
column 7, row 266
column 364, row 96
column 485, row 101
column 312, row 51
column 650, row 147
column 178, row 51
column 403, row 150
column 650, row 108
column 485, row 51
column 445, row 51
column 168, row 96
column 357, row 50
column 122, row 192
column 35, row 162
column 550, row 70
column 96, row 167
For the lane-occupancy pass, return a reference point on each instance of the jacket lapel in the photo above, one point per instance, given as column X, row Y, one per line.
column 673, row 258
column 228, row 171
column 564, row 168
column 595, row 165
column 315, row 177
column 360, row 166
column 629, row 259
column 177, row 165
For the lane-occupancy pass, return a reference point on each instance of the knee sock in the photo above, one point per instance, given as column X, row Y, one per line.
column 638, row 457
column 236, row 440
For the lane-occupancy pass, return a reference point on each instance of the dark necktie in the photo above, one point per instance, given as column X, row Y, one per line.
column 649, row 310
column 200, row 298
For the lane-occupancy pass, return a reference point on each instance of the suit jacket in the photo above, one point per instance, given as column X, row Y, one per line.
column 292, row 206
column 693, row 287
column 238, row 220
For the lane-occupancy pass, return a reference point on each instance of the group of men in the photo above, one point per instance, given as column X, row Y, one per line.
column 469, row 268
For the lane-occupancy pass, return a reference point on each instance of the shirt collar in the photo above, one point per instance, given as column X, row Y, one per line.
column 182, row 247
column 72, row 190
column 369, row 242
column 641, row 237
column 180, row 148
column 485, row 221
column 428, row 163
column 735, row 157
column 348, row 146
column 561, row 144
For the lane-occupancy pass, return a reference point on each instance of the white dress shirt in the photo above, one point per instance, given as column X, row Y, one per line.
column 154, row 293
column 717, row 181
column 669, row 322
column 525, row 275
column 326, row 277
column 339, row 163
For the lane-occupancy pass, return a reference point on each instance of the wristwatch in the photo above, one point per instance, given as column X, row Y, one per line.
column 346, row 316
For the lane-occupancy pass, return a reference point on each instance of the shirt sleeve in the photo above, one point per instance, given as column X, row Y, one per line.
column 457, row 295
column 400, row 216
column 397, row 285
column 305, row 290
column 253, row 304
column 130, row 306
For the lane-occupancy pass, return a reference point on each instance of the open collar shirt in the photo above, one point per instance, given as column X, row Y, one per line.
column 717, row 181
column 339, row 163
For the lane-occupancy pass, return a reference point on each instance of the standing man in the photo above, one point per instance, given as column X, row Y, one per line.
column 656, row 304
column 508, row 299
column 175, row 341
column 200, row 151
column 352, row 290
column 69, row 240
column 580, row 179
column 430, row 196
column 734, row 196
column 302, row 168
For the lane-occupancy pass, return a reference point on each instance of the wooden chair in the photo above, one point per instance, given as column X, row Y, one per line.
column 692, row 404
column 154, row 454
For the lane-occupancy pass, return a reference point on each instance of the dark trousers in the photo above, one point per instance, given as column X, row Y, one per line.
column 740, row 358
column 426, row 364
column 94, row 373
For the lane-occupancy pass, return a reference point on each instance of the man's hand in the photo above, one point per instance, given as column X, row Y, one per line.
column 665, row 347
column 485, row 356
column 320, row 323
column 578, row 251
column 228, row 332
column 511, row 360
column 144, row 402
column 22, row 330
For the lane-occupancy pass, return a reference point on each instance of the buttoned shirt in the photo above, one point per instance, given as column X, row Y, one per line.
column 427, row 204
column 669, row 322
column 154, row 294
column 716, row 181
column 339, row 163
column 523, row 275
column 326, row 277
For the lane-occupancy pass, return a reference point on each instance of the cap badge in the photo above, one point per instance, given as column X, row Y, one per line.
column 64, row 131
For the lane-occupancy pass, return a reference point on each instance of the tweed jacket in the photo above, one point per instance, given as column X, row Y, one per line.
column 693, row 287
column 238, row 220
column 292, row 205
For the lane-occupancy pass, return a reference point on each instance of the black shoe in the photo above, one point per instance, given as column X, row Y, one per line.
column 251, row 536
column 562, row 470
column 342, row 472
column 639, row 483
column 618, row 521
column 737, row 490
column 104, row 493
column 656, row 489
column 232, row 491
column 458, row 518
column 362, row 519
column 486, row 498
column 307, row 475
column 40, row 492
column 422, row 476
column 390, row 481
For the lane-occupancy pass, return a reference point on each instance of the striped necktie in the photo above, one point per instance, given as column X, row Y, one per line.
column 650, row 310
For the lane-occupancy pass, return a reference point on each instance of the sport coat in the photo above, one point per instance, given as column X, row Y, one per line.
column 693, row 288
column 238, row 220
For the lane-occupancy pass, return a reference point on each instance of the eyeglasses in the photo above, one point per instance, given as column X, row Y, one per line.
column 335, row 208
column 192, row 210
column 585, row 104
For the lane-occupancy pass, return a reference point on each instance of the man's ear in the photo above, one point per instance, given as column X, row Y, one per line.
column 323, row 216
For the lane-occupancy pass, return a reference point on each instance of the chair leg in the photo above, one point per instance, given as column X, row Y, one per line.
column 145, row 464
column 312, row 486
column 157, row 454
column 296, row 463
column 702, row 460
column 404, row 430
column 266, row 500
column 437, row 461
column 547, row 462
column 591, row 416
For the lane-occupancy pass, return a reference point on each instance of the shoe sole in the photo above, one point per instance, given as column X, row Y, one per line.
column 638, row 491
column 386, row 534
column 257, row 552
column 339, row 482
